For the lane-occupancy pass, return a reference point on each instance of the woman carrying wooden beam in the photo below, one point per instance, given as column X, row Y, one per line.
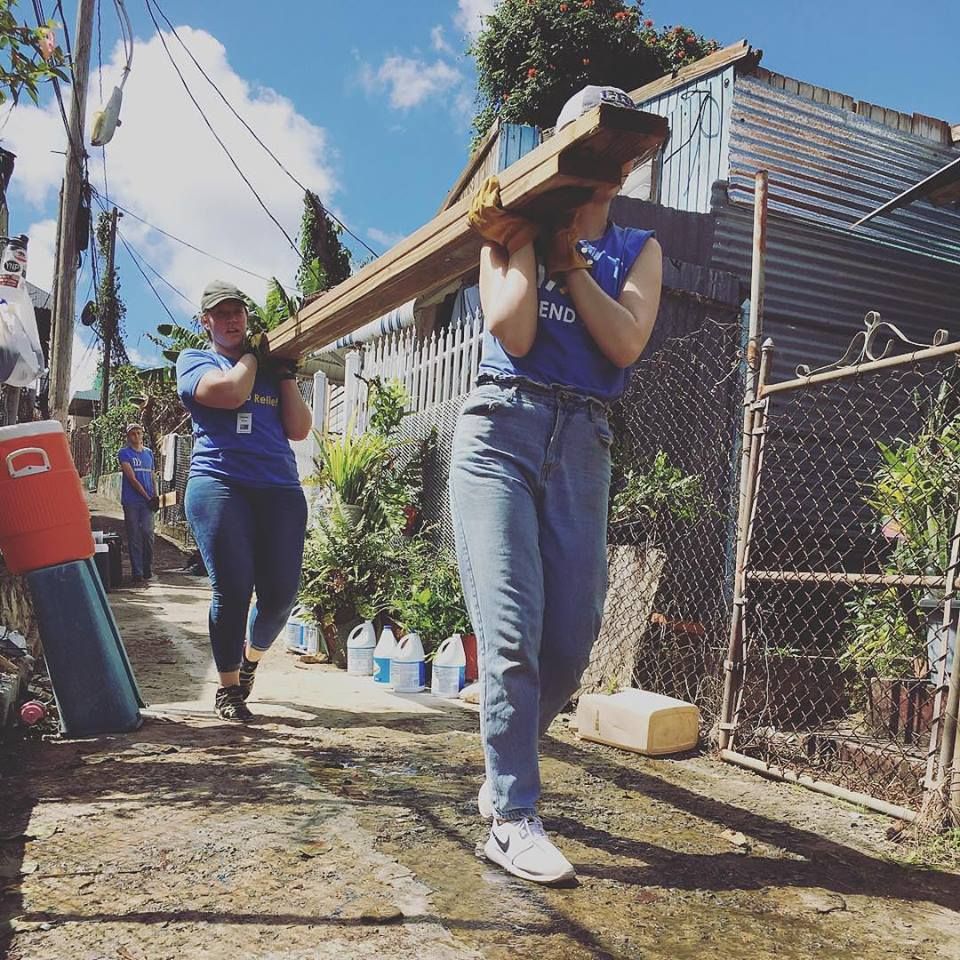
column 568, row 308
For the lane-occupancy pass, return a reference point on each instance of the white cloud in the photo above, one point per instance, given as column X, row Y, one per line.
column 439, row 40
column 86, row 356
column 410, row 81
column 470, row 12
column 40, row 253
column 164, row 165
column 384, row 237
column 34, row 134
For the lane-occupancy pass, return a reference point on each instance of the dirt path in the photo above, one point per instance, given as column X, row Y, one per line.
column 343, row 825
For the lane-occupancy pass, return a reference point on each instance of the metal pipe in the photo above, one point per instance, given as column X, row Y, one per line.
column 931, row 353
column 757, row 270
column 866, row 579
column 949, row 717
column 820, row 786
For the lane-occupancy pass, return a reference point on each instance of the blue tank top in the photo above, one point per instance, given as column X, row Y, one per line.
column 563, row 351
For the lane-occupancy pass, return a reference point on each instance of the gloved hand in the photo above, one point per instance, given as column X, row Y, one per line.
column 283, row 368
column 563, row 252
column 154, row 503
column 492, row 222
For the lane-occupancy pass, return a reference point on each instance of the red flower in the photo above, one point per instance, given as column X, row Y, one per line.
column 691, row 40
column 564, row 7
column 532, row 72
column 622, row 15
column 587, row 4
column 648, row 23
column 586, row 61
column 678, row 30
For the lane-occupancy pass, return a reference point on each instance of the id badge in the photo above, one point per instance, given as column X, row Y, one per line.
column 244, row 423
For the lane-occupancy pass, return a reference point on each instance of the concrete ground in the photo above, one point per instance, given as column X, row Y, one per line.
column 343, row 824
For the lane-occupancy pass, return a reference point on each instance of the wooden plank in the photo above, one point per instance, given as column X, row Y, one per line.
column 446, row 249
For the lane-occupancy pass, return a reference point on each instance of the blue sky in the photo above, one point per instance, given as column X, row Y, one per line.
column 370, row 104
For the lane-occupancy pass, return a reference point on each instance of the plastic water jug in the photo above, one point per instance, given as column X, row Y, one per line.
column 449, row 668
column 293, row 633
column 383, row 655
column 408, row 669
column 360, row 646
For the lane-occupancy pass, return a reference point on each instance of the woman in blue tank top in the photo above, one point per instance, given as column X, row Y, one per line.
column 567, row 312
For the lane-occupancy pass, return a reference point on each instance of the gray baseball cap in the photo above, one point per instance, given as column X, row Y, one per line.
column 590, row 97
column 216, row 291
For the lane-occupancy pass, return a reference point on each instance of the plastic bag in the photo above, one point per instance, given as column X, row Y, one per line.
column 21, row 358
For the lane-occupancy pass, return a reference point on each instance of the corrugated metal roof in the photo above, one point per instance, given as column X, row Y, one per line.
column 40, row 299
column 829, row 166
column 821, row 283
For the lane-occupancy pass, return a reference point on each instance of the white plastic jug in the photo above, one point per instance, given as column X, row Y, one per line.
column 360, row 646
column 408, row 669
column 293, row 632
column 383, row 655
column 449, row 668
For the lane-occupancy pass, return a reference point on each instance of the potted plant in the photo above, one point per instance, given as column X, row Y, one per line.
column 896, row 632
column 427, row 597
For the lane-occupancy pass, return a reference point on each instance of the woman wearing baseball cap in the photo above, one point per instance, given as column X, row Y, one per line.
column 244, row 502
column 567, row 309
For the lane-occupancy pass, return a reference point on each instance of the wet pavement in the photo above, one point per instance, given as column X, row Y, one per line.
column 343, row 824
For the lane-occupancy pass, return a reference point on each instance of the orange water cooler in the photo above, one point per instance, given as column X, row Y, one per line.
column 43, row 515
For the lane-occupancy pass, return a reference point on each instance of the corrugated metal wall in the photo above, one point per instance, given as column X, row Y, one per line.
column 829, row 166
column 820, row 283
column 696, row 155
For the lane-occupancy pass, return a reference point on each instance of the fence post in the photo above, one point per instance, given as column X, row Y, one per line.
column 733, row 667
column 319, row 408
column 351, row 387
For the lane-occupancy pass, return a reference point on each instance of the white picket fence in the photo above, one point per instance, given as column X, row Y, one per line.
column 433, row 369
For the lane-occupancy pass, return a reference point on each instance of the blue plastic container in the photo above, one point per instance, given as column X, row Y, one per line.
column 93, row 683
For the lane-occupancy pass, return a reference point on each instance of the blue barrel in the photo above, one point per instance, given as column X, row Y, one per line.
column 92, row 680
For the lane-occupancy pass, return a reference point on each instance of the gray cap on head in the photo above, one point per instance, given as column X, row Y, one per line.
column 590, row 97
column 216, row 291
column 133, row 426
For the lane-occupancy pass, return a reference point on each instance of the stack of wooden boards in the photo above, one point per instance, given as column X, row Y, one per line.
column 587, row 153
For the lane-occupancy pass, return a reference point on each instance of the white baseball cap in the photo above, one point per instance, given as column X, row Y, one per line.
column 590, row 97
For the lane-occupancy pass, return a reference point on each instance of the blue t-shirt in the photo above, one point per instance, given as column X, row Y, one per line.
column 563, row 351
column 142, row 463
column 246, row 445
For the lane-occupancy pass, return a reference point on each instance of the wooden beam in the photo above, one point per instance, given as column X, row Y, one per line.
column 584, row 155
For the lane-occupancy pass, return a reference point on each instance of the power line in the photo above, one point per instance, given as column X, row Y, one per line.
column 186, row 243
column 132, row 249
column 216, row 136
column 250, row 130
column 149, row 281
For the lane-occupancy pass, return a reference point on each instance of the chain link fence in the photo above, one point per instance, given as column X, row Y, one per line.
column 672, row 527
column 849, row 621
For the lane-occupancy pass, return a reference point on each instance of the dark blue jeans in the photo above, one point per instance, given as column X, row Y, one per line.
column 249, row 538
column 138, row 518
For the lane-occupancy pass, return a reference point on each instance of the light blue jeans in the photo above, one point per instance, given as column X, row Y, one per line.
column 529, row 484
column 249, row 538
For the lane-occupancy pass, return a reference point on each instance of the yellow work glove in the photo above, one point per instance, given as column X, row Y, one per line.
column 492, row 222
column 563, row 252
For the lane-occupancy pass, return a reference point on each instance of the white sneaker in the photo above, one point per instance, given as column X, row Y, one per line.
column 522, row 848
column 485, row 801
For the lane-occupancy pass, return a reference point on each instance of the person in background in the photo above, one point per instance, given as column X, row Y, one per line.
column 244, row 501
column 568, row 308
column 138, row 496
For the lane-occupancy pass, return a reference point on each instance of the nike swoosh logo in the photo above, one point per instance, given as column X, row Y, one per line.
column 504, row 847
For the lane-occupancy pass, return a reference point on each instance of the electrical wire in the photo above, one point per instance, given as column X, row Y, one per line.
column 185, row 243
column 216, row 136
column 149, row 281
column 250, row 130
column 103, row 148
column 133, row 250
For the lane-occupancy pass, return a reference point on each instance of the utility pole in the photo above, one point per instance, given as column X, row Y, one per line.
column 108, row 323
column 65, row 277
